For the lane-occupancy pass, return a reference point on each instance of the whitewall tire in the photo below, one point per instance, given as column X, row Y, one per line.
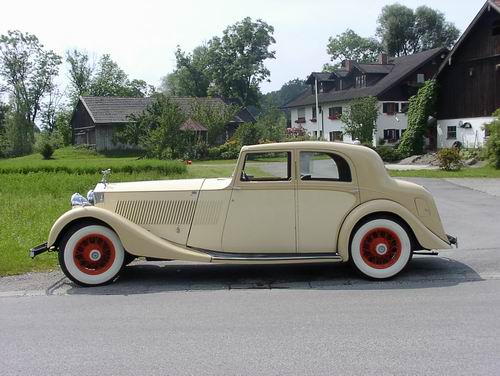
column 380, row 248
column 91, row 255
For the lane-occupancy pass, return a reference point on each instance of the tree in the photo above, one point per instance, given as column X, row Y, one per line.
column 62, row 134
column 404, row 31
column 272, row 125
column 191, row 77
column 360, row 119
column 396, row 30
column 432, row 30
column 236, row 61
column 28, row 71
column 157, row 130
column 214, row 116
column 351, row 46
column 421, row 106
column 278, row 98
column 80, row 74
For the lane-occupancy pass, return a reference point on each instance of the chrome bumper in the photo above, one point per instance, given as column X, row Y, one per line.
column 35, row 251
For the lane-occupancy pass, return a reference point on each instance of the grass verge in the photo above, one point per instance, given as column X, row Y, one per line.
column 469, row 172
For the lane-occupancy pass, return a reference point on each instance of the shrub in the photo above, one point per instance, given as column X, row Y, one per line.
column 229, row 150
column 388, row 154
column 247, row 134
column 449, row 159
column 197, row 151
column 493, row 143
column 46, row 149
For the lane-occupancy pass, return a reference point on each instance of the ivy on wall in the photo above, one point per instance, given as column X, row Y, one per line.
column 420, row 108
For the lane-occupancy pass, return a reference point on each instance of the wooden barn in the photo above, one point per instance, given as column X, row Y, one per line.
column 96, row 119
column 469, row 81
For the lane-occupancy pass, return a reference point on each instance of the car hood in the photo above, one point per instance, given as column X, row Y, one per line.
column 165, row 185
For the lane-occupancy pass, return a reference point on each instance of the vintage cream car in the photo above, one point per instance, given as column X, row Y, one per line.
column 298, row 202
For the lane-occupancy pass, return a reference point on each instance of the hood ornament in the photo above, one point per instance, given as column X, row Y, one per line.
column 105, row 175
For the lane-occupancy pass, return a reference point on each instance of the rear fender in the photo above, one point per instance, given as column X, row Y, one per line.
column 135, row 239
column 424, row 236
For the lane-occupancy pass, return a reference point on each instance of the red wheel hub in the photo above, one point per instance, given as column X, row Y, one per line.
column 380, row 248
column 94, row 254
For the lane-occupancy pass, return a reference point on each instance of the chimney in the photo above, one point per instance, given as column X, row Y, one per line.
column 382, row 58
column 347, row 64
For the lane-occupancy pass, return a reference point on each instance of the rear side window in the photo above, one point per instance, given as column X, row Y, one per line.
column 269, row 166
column 324, row 167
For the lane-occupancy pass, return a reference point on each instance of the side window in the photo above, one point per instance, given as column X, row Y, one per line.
column 268, row 166
column 324, row 167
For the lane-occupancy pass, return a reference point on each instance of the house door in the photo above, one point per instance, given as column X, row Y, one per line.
column 261, row 214
column 432, row 136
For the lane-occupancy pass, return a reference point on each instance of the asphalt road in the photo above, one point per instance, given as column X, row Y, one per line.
column 441, row 316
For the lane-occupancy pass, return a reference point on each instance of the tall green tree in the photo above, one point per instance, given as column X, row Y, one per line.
column 191, row 77
column 80, row 73
column 351, row 46
column 360, row 119
column 396, row 29
column 404, row 31
column 157, row 130
column 236, row 60
column 28, row 70
column 432, row 29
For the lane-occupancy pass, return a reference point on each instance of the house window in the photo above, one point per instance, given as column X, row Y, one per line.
column 451, row 132
column 314, row 113
column 334, row 113
column 324, row 167
column 391, row 135
column 315, row 134
column 390, row 108
column 336, row 136
column 404, row 107
column 301, row 115
column 361, row 81
column 420, row 78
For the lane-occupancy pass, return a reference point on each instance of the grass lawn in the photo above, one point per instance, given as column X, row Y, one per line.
column 30, row 201
column 469, row 172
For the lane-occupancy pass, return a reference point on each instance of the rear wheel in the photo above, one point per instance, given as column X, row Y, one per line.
column 91, row 255
column 380, row 248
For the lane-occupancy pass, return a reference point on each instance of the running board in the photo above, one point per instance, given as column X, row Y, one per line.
column 273, row 257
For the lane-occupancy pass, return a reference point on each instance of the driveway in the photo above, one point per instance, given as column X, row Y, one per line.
column 439, row 317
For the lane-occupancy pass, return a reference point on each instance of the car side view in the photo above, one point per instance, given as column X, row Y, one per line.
column 297, row 202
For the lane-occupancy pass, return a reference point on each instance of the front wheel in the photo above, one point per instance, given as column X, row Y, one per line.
column 380, row 248
column 91, row 255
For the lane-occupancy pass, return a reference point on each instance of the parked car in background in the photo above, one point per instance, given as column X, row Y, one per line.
column 297, row 202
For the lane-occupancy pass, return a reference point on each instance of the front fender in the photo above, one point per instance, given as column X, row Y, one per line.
column 135, row 239
column 426, row 238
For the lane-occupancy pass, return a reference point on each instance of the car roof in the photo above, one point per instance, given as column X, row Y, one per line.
column 369, row 167
column 338, row 146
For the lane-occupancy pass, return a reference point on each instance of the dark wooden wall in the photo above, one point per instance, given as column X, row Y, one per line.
column 470, row 86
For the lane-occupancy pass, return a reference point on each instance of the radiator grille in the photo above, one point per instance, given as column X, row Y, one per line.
column 157, row 212
column 208, row 212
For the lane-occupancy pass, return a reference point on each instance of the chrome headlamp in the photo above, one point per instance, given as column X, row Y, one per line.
column 78, row 200
column 90, row 197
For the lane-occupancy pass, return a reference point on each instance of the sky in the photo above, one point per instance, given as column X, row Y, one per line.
column 142, row 36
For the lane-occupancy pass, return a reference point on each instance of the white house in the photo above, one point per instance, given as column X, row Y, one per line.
column 391, row 80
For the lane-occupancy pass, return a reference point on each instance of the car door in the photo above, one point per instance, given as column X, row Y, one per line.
column 261, row 214
column 327, row 191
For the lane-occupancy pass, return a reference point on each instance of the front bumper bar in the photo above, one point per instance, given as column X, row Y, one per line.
column 35, row 251
column 452, row 240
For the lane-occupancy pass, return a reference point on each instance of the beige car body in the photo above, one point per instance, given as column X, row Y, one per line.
column 202, row 220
